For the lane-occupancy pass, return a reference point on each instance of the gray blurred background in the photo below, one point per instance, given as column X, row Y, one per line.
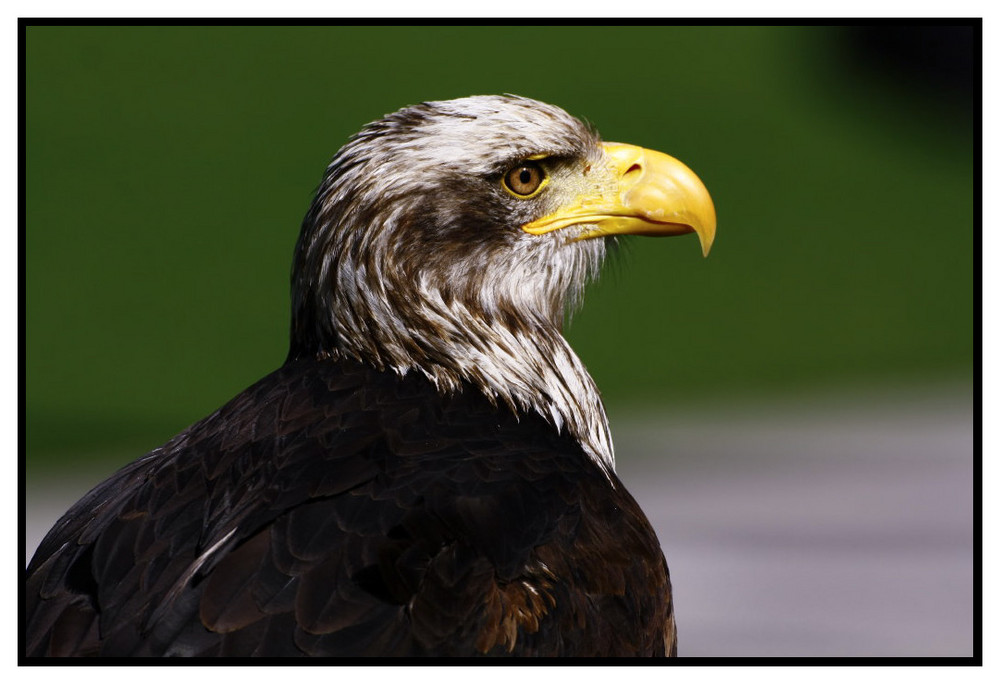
column 794, row 413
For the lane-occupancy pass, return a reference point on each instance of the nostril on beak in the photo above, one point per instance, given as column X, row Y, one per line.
column 632, row 170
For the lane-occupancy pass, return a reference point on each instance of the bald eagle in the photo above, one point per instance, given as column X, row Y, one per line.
column 430, row 472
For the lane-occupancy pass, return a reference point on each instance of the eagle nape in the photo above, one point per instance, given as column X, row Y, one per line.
column 430, row 472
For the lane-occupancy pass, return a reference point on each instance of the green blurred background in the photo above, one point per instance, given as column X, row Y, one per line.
column 168, row 168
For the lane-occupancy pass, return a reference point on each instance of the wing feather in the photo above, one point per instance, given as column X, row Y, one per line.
column 335, row 510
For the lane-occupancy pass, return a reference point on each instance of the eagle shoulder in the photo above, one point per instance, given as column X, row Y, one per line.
column 332, row 509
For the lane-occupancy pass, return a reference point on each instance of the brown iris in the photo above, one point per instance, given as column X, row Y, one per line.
column 524, row 179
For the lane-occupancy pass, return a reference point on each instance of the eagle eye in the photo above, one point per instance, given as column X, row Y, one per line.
column 525, row 179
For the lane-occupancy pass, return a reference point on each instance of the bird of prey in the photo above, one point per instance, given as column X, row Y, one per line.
column 430, row 472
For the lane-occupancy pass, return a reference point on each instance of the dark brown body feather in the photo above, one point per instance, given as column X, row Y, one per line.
column 350, row 512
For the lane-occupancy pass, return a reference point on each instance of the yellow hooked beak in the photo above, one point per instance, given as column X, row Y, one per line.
column 648, row 193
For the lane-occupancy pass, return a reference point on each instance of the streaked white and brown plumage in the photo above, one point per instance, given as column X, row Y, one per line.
column 431, row 471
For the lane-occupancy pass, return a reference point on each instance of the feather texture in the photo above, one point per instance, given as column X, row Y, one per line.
column 367, row 514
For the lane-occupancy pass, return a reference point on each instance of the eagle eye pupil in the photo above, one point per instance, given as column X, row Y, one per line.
column 524, row 179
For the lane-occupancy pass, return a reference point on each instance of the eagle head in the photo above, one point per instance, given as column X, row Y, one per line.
column 452, row 237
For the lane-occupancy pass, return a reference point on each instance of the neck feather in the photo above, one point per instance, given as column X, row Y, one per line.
column 530, row 368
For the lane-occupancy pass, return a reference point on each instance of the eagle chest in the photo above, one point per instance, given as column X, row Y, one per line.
column 505, row 538
column 561, row 563
column 460, row 528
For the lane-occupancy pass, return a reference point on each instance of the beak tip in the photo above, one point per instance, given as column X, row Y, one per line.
column 706, row 236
